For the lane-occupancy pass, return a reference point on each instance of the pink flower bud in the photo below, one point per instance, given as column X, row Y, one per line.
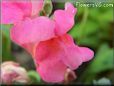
column 11, row 73
column 69, row 76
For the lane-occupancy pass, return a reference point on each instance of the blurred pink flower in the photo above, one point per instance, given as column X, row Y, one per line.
column 13, row 11
column 11, row 73
column 53, row 50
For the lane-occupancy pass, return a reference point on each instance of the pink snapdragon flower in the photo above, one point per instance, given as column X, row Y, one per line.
column 54, row 56
column 53, row 50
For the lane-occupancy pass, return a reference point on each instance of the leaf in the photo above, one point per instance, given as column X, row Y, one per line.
column 34, row 76
column 47, row 8
column 75, row 32
column 86, row 33
column 103, row 60
column 6, row 43
column 91, row 27
column 101, row 16
column 80, row 11
column 6, row 30
column 81, row 30
column 0, row 44
column 94, row 13
column 106, row 16
column 90, row 41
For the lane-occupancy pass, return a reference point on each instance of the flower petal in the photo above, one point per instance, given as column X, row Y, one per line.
column 52, row 71
column 15, row 10
column 59, row 49
column 48, row 50
column 88, row 54
column 25, row 6
column 64, row 19
column 75, row 55
column 70, row 8
column 10, row 13
column 62, row 48
column 49, row 64
column 73, row 58
column 33, row 30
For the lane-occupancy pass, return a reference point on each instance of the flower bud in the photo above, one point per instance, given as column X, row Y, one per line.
column 12, row 73
column 69, row 76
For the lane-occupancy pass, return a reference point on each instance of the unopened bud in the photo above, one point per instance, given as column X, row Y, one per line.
column 12, row 73
column 69, row 76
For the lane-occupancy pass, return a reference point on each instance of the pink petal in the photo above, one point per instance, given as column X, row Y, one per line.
column 62, row 48
column 49, row 53
column 70, row 8
column 73, row 58
column 25, row 6
column 52, row 71
column 75, row 55
column 10, row 13
column 49, row 64
column 15, row 10
column 32, row 30
column 64, row 19
column 48, row 50
column 88, row 54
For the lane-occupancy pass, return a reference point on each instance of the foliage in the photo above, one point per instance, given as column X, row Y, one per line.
column 47, row 8
column 35, row 78
column 6, row 42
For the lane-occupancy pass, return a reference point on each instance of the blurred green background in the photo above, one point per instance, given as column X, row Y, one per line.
column 93, row 28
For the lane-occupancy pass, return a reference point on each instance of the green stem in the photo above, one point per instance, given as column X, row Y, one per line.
column 83, row 23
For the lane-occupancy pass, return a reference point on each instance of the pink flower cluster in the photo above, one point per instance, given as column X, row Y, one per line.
column 52, row 49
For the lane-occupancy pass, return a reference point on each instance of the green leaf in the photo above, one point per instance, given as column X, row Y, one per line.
column 103, row 60
column 101, row 16
column 80, row 11
column 6, row 43
column 90, row 27
column 34, row 76
column 0, row 44
column 94, row 13
column 90, row 41
column 75, row 32
column 6, row 30
column 47, row 8
column 106, row 16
